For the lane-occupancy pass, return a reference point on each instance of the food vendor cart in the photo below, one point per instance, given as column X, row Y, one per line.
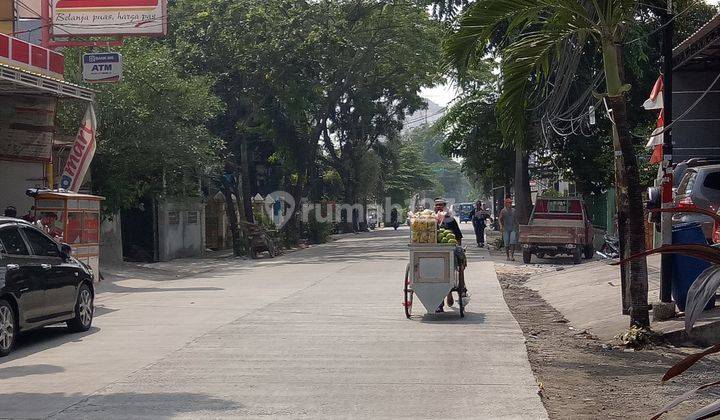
column 434, row 267
column 431, row 274
column 78, row 222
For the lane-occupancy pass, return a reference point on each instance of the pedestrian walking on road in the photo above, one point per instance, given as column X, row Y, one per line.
column 479, row 217
column 509, row 228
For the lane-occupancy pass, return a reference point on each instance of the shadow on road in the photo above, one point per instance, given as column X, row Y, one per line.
column 29, row 370
column 42, row 339
column 453, row 317
column 116, row 405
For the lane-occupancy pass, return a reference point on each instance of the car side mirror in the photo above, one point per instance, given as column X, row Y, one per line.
column 65, row 251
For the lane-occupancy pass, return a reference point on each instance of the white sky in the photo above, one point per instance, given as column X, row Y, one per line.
column 441, row 94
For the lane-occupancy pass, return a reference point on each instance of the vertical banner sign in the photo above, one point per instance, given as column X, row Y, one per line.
column 81, row 154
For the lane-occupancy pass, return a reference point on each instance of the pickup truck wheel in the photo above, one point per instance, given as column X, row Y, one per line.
column 527, row 257
column 589, row 252
column 577, row 256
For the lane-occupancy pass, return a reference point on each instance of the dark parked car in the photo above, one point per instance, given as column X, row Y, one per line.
column 40, row 283
column 699, row 187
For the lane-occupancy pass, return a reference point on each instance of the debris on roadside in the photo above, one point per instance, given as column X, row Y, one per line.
column 638, row 338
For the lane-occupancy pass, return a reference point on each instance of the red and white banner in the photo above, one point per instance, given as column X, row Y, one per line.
column 655, row 101
column 81, row 154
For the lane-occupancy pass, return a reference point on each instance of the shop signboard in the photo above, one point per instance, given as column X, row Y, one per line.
column 26, row 128
column 102, row 67
column 109, row 17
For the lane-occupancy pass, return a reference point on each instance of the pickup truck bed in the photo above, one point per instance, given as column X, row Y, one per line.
column 551, row 235
column 553, row 232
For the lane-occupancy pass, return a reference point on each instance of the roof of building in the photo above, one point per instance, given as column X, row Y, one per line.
column 701, row 50
column 14, row 81
column 63, row 194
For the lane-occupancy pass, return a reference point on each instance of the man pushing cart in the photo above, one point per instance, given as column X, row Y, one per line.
column 437, row 261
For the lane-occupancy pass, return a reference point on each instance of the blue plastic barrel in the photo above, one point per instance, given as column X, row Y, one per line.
column 686, row 269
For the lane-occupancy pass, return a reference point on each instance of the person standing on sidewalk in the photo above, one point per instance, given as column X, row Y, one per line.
column 479, row 217
column 509, row 228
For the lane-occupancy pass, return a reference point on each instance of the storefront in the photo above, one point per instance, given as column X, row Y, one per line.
column 696, row 95
column 31, row 83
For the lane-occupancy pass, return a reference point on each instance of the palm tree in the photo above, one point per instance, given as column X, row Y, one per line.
column 535, row 33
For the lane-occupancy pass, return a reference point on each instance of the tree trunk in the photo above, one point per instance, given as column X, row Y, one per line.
column 631, row 217
column 245, row 190
column 231, row 211
column 523, row 199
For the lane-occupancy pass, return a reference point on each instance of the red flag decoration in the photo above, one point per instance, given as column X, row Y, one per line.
column 655, row 101
column 81, row 154
column 656, row 140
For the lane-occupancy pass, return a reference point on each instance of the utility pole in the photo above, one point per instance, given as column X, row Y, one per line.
column 666, row 271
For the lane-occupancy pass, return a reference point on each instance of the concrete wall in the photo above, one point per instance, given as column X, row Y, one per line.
column 217, row 230
column 178, row 236
column 111, row 250
column 15, row 179
column 698, row 133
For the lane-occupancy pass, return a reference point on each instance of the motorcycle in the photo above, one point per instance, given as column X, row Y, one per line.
column 611, row 248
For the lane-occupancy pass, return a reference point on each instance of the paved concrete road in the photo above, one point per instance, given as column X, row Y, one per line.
column 317, row 333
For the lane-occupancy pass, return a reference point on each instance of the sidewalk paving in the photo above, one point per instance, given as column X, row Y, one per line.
column 589, row 297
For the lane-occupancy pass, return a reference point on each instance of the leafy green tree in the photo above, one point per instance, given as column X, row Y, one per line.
column 410, row 176
column 540, row 31
column 382, row 60
column 451, row 180
column 152, row 135
column 472, row 133
column 341, row 74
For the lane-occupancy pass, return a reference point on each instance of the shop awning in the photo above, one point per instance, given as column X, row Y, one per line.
column 701, row 50
column 15, row 81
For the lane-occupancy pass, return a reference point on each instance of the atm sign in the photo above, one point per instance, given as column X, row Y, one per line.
column 102, row 67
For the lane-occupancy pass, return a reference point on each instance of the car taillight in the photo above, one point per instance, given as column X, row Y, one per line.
column 686, row 203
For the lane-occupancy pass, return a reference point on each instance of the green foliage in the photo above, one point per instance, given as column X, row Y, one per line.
column 317, row 232
column 341, row 75
column 473, row 134
column 152, row 135
column 384, row 59
column 450, row 180
column 411, row 174
column 536, row 34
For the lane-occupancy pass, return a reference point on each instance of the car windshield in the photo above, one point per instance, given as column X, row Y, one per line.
column 557, row 206
column 687, row 183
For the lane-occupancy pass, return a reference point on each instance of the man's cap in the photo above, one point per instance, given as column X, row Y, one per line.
column 440, row 200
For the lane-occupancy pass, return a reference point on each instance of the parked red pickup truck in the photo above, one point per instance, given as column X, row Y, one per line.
column 558, row 226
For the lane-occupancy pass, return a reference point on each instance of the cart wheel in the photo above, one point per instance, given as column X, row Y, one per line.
column 408, row 294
